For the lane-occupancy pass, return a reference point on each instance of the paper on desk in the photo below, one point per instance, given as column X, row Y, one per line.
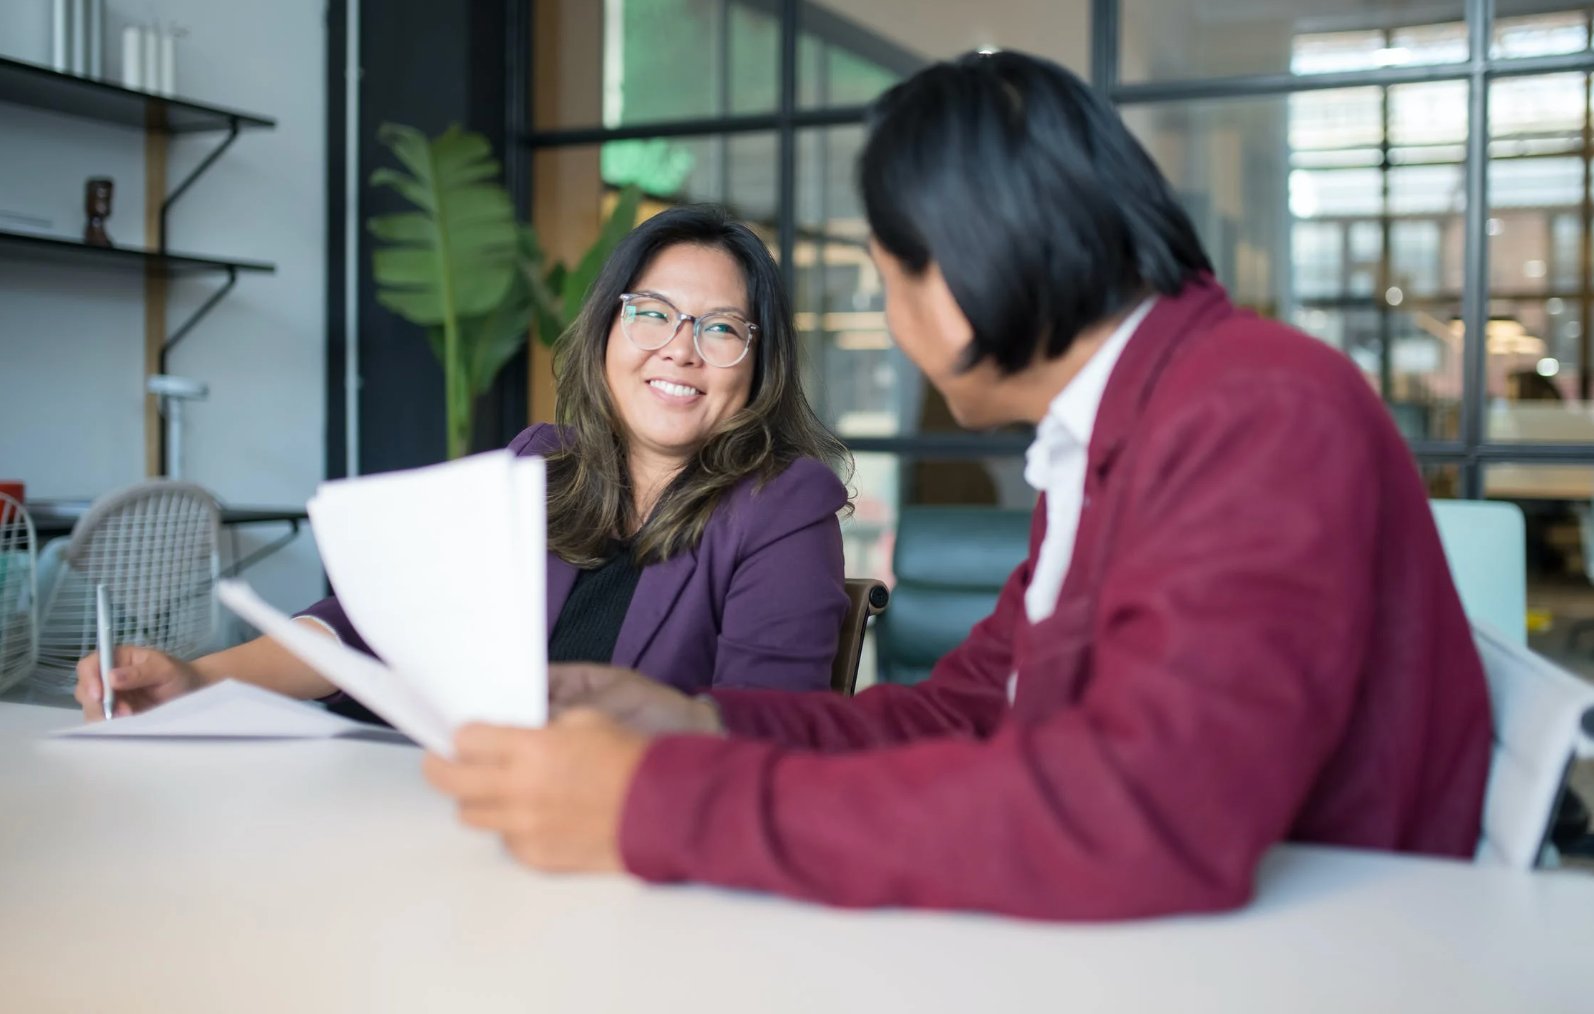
column 441, row 570
column 373, row 684
column 229, row 710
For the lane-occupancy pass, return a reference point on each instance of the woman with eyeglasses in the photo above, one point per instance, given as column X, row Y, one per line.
column 692, row 505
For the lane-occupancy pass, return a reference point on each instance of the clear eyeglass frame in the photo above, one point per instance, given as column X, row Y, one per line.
column 628, row 298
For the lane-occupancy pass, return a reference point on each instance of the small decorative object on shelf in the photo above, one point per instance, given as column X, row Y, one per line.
column 149, row 58
column 150, row 68
column 166, row 83
column 133, row 57
column 78, row 37
column 61, row 36
column 93, row 38
column 97, row 194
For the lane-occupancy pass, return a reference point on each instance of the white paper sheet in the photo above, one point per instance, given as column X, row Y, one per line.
column 441, row 569
column 227, row 710
column 375, row 685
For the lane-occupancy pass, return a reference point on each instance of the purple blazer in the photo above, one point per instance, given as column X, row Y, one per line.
column 758, row 603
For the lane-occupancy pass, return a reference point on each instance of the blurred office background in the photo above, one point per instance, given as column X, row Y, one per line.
column 1407, row 180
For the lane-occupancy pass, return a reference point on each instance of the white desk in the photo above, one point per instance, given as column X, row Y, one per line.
column 325, row 876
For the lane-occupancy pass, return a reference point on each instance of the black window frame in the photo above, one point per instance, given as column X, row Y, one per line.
column 1471, row 451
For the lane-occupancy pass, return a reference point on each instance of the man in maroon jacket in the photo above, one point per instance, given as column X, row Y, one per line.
column 1235, row 626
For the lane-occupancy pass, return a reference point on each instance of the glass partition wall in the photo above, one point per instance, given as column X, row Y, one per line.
column 1408, row 180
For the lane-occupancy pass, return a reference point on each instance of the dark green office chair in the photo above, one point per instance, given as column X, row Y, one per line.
column 950, row 564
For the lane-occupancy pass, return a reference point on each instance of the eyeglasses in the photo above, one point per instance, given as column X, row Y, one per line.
column 651, row 322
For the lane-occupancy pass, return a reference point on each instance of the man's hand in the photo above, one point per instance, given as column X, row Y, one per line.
column 555, row 795
column 631, row 699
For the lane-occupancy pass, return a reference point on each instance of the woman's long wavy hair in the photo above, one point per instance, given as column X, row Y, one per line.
column 590, row 502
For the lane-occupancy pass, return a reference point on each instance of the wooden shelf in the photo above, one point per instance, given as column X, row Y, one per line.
column 21, row 246
column 28, row 84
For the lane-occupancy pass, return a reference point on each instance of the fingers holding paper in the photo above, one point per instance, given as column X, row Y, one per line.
column 554, row 795
column 629, row 698
column 141, row 677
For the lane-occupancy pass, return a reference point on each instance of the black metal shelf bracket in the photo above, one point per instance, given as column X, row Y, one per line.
column 195, row 317
column 233, row 129
column 240, row 565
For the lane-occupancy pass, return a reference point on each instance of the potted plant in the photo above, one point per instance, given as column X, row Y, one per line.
column 461, row 266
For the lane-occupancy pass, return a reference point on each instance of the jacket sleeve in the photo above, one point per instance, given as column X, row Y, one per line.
column 966, row 693
column 1228, row 634
column 330, row 611
column 783, row 608
column 540, row 438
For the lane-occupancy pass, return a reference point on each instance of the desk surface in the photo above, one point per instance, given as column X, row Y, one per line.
column 311, row 876
column 56, row 517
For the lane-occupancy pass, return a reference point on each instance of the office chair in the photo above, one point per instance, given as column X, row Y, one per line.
column 18, row 593
column 154, row 546
column 950, row 564
column 866, row 597
column 1485, row 545
column 1542, row 715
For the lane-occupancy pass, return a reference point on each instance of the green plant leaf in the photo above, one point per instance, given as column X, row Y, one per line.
column 621, row 221
column 456, row 255
column 556, row 281
column 550, row 314
column 413, row 307
column 493, row 339
column 543, row 298
column 407, row 186
column 408, row 145
column 549, row 327
column 434, row 338
column 402, row 227
column 451, row 260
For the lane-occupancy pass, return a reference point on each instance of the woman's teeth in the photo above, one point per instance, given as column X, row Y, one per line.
column 679, row 390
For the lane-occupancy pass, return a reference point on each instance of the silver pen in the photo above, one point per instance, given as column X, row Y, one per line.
column 107, row 650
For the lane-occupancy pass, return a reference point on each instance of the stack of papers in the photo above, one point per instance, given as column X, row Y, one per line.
column 442, row 571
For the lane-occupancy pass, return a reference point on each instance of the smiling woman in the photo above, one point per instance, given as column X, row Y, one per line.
column 692, row 501
column 672, row 386
column 677, row 383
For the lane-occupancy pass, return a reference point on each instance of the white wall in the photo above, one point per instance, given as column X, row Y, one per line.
column 71, row 340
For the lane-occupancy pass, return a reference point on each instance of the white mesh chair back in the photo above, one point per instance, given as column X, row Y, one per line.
column 155, row 548
column 1539, row 720
column 18, row 593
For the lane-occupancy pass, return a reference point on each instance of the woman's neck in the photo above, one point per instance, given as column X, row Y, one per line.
column 650, row 474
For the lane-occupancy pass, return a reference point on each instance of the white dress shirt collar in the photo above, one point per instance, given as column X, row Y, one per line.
column 1071, row 416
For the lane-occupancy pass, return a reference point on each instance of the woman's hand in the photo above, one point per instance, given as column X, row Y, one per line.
column 631, row 699
column 141, row 677
column 555, row 795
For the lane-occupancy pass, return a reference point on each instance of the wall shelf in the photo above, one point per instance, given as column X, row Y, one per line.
column 157, row 118
column 27, row 84
column 23, row 246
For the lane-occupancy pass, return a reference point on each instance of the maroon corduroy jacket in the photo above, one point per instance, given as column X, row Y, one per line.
column 1258, row 641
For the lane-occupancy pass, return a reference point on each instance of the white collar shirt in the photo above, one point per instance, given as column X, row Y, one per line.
column 1055, row 463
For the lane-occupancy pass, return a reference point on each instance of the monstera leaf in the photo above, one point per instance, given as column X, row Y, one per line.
column 557, row 291
column 461, row 267
column 452, row 259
